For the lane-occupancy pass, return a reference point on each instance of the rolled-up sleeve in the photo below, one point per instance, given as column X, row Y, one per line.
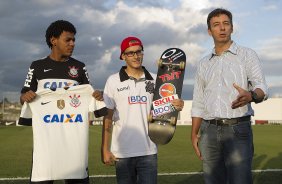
column 255, row 72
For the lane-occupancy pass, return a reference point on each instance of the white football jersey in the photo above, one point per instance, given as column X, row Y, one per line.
column 131, row 101
column 60, row 122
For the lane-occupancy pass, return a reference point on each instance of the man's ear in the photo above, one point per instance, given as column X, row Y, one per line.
column 209, row 31
column 53, row 41
column 123, row 57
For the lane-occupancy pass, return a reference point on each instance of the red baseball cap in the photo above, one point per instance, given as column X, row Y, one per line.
column 128, row 42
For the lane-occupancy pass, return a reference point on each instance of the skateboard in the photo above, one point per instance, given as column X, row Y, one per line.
column 163, row 116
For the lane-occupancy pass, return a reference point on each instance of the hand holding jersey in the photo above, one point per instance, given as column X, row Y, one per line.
column 28, row 96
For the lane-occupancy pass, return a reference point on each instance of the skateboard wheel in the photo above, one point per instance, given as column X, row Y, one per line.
column 160, row 63
column 182, row 65
column 173, row 121
column 150, row 118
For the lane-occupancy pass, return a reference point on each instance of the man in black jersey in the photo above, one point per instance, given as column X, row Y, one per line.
column 57, row 70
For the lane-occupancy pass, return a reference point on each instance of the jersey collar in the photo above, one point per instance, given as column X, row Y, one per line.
column 232, row 49
column 123, row 75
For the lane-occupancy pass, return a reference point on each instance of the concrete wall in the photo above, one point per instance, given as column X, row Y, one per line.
column 270, row 109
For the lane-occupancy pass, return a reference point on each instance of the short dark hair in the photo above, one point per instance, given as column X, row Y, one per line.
column 56, row 28
column 217, row 12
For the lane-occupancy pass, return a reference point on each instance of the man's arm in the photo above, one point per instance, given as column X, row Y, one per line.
column 196, row 123
column 98, row 95
column 107, row 157
column 244, row 97
column 260, row 95
column 30, row 85
column 27, row 97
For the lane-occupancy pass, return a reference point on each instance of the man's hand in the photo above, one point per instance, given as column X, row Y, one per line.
column 108, row 158
column 98, row 95
column 196, row 124
column 27, row 97
column 195, row 142
column 178, row 104
column 244, row 97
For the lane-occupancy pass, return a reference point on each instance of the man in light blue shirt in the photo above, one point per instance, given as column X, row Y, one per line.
column 226, row 82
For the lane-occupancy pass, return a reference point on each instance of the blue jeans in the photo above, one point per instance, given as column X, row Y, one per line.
column 227, row 153
column 137, row 170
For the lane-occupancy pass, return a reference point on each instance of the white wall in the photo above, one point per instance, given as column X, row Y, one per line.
column 185, row 114
column 270, row 109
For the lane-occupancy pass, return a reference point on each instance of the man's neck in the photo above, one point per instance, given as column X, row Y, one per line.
column 220, row 47
column 58, row 57
column 134, row 72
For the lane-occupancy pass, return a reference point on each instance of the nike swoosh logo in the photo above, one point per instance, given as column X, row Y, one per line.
column 9, row 123
column 44, row 103
column 47, row 70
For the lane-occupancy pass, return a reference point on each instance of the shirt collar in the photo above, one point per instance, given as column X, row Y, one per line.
column 232, row 49
column 123, row 75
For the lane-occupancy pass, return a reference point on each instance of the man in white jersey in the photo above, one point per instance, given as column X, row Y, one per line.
column 226, row 82
column 128, row 96
column 58, row 70
column 63, row 114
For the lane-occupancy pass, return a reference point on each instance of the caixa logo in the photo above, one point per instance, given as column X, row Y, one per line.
column 55, row 85
column 137, row 100
column 63, row 118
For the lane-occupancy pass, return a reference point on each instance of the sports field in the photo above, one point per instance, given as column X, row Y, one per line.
column 177, row 161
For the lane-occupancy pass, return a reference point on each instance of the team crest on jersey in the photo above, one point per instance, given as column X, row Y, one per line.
column 73, row 71
column 61, row 104
column 150, row 86
column 75, row 102
column 167, row 89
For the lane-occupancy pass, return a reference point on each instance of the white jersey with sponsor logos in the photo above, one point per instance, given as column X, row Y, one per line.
column 60, row 122
column 131, row 101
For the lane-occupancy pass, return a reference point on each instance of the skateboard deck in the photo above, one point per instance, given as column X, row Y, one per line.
column 163, row 116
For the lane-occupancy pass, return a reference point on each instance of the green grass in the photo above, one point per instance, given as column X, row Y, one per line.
column 177, row 156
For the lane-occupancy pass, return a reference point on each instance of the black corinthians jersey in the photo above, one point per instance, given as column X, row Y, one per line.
column 47, row 73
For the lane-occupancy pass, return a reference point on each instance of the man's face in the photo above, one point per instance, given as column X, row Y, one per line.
column 220, row 28
column 64, row 45
column 133, row 56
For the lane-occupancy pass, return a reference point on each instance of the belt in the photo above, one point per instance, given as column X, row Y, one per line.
column 228, row 122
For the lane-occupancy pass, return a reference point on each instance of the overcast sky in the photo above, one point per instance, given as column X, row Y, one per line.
column 160, row 24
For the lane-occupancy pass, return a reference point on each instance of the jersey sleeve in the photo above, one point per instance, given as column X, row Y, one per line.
column 92, row 106
column 108, row 95
column 26, row 115
column 101, row 109
column 30, row 81
column 96, row 108
column 85, row 76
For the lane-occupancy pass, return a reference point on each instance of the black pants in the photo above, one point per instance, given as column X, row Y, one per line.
column 68, row 181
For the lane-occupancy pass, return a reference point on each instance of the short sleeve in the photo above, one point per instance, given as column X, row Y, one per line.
column 26, row 115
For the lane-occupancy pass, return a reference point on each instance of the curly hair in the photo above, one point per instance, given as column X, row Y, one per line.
column 56, row 28
column 217, row 12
